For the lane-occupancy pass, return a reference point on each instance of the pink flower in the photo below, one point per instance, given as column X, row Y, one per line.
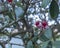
column 38, row 24
column 41, row 25
column 9, row 1
column 44, row 24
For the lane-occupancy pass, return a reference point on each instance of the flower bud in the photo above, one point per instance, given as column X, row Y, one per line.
column 44, row 24
column 9, row 1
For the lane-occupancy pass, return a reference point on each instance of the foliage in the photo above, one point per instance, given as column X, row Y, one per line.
column 54, row 9
column 26, row 20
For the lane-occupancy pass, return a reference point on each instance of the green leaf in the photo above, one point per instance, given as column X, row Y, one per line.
column 19, row 4
column 26, row 36
column 50, row 44
column 34, row 39
column 30, row 44
column 45, row 3
column 44, row 44
column 19, row 11
column 36, row 33
column 10, row 15
column 57, row 44
column 48, row 33
column 43, row 38
column 54, row 9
